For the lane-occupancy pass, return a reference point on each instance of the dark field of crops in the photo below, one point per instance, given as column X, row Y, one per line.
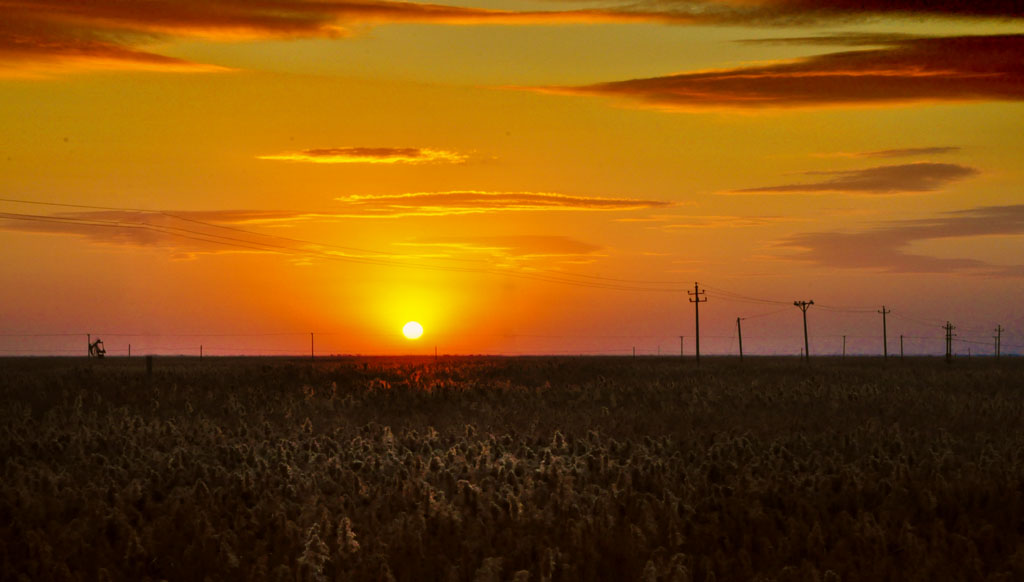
column 499, row 469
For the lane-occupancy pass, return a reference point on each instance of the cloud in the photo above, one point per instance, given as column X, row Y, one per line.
column 514, row 246
column 193, row 231
column 806, row 12
column 903, row 71
column 43, row 37
column 884, row 247
column 898, row 179
column 370, row 155
column 897, row 153
column 692, row 222
column 475, row 202
column 218, row 231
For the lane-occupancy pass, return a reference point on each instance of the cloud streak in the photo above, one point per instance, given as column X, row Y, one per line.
column 884, row 247
column 807, row 12
column 216, row 231
column 477, row 202
column 370, row 155
column 512, row 246
column 898, row 153
column 41, row 37
column 696, row 222
column 881, row 180
column 190, row 231
column 903, row 71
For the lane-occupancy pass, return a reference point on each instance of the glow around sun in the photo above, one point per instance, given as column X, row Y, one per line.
column 412, row 330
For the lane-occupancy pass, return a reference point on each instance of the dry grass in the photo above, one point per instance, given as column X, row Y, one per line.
column 511, row 469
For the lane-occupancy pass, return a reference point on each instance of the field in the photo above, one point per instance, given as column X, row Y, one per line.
column 511, row 469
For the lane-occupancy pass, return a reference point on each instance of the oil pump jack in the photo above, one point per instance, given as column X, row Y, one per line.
column 96, row 349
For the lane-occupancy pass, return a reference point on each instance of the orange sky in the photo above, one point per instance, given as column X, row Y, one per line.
column 519, row 177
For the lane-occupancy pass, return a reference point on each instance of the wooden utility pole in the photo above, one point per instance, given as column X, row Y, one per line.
column 901, row 347
column 88, row 345
column 312, row 354
column 200, row 351
column 739, row 334
column 999, row 339
column 885, row 337
column 844, row 347
column 804, row 305
column 129, row 350
column 697, row 298
column 949, row 341
column 681, row 346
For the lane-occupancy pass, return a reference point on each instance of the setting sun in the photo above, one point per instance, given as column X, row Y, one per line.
column 412, row 330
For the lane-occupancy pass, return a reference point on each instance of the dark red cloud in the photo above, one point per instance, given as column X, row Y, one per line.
column 42, row 34
column 798, row 12
column 914, row 70
column 115, row 33
column 896, row 179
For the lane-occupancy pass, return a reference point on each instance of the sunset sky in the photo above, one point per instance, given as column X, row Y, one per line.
column 518, row 176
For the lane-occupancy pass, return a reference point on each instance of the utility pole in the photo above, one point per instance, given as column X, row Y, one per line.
column 739, row 334
column 844, row 347
column 311, row 353
column 88, row 345
column 804, row 305
column 901, row 347
column 949, row 341
column 681, row 346
column 200, row 351
column 999, row 339
column 129, row 350
column 885, row 337
column 697, row 298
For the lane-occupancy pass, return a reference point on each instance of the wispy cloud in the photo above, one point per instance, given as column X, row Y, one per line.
column 476, row 202
column 724, row 221
column 370, row 155
column 885, row 247
column 806, row 12
column 42, row 37
column 511, row 246
column 189, row 232
column 903, row 71
column 897, row 179
column 218, row 231
column 897, row 153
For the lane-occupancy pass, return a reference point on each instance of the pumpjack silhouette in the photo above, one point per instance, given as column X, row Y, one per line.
column 96, row 349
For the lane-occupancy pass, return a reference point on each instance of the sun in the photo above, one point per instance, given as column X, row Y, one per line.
column 412, row 330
